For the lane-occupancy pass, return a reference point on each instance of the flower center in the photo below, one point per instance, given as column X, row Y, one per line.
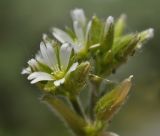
column 58, row 74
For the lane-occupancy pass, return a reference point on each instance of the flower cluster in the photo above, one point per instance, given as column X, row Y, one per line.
column 84, row 55
column 102, row 41
column 51, row 65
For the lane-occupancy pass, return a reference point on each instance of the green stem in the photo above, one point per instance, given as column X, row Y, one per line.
column 77, row 106
column 95, row 82
column 92, row 100
column 74, row 121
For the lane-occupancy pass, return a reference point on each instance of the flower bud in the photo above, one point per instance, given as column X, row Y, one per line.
column 107, row 41
column 120, row 25
column 110, row 103
column 76, row 80
column 94, row 34
column 147, row 34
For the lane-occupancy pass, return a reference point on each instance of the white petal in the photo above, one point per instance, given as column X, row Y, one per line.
column 44, row 53
column 39, row 58
column 48, row 54
column 78, row 15
column 59, row 82
column 65, row 53
column 109, row 22
column 47, row 41
column 79, row 31
column 88, row 29
column 72, row 68
column 51, row 54
column 78, row 47
column 33, row 64
column 40, row 76
column 61, row 36
column 26, row 71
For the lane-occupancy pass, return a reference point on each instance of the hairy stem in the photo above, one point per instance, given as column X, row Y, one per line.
column 77, row 106
column 93, row 99
column 74, row 121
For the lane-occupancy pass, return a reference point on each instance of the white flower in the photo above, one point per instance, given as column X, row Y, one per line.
column 80, row 28
column 50, row 64
column 78, row 15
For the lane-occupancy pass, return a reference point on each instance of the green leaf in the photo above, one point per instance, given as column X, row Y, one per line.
column 110, row 103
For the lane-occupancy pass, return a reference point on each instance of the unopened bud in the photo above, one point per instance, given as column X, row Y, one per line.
column 146, row 35
column 76, row 80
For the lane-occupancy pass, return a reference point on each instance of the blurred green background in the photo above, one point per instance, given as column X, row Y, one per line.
column 22, row 23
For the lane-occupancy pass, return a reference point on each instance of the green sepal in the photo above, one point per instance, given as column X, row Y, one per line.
column 122, row 48
column 108, row 39
column 120, row 26
column 95, row 32
column 94, row 128
column 108, row 58
column 111, row 102
column 127, row 49
column 146, row 35
column 121, row 43
column 49, row 87
column 95, row 80
column 106, row 63
column 76, row 80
